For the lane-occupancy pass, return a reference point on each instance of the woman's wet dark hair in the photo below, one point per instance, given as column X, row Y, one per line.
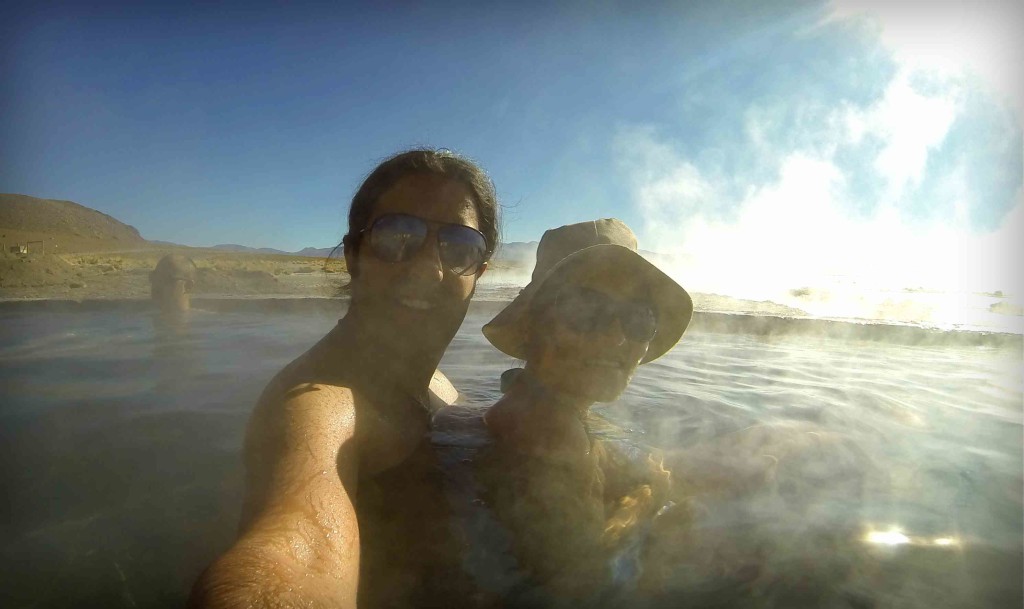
column 439, row 162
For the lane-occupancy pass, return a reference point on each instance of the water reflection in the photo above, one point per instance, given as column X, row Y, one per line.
column 177, row 357
column 896, row 537
column 123, row 475
column 892, row 537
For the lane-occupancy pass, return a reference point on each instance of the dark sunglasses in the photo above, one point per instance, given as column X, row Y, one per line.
column 583, row 310
column 398, row 237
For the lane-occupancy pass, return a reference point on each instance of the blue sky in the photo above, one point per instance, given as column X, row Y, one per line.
column 736, row 137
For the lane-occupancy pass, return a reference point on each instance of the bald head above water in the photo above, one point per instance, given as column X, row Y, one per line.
column 174, row 266
column 171, row 282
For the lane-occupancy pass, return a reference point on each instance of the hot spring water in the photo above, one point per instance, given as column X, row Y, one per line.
column 122, row 469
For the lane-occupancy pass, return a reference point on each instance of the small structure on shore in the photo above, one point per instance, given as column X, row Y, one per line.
column 21, row 249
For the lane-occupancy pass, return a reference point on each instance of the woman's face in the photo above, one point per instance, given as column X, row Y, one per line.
column 591, row 337
column 417, row 295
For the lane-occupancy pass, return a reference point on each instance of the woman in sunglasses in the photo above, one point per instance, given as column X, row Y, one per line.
column 593, row 312
column 339, row 494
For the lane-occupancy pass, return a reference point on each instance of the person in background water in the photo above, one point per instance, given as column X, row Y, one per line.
column 171, row 284
column 593, row 312
column 340, row 503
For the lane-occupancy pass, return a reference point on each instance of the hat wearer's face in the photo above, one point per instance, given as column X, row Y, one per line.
column 597, row 365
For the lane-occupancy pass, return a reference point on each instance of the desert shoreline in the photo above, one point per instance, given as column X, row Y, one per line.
column 125, row 274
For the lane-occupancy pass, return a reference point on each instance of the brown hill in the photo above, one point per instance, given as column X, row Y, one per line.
column 60, row 249
column 25, row 214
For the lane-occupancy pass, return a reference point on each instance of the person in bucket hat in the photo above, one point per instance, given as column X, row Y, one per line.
column 590, row 248
column 593, row 311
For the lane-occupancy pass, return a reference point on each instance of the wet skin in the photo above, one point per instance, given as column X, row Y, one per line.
column 349, row 409
column 170, row 295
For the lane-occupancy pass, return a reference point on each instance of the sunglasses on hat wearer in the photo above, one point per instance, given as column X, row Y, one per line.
column 583, row 310
column 398, row 237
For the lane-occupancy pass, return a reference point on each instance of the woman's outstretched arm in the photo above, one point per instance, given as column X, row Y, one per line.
column 300, row 541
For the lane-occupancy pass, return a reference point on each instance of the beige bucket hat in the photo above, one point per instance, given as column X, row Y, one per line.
column 574, row 249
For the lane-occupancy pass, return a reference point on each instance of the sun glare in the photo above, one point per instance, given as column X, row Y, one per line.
column 949, row 38
column 896, row 537
column 890, row 538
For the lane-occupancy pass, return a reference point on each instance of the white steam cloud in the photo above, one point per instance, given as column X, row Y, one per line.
column 805, row 237
column 949, row 37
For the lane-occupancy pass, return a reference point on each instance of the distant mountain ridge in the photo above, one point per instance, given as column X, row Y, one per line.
column 308, row 252
column 511, row 252
column 516, row 250
column 234, row 247
column 51, row 216
column 319, row 252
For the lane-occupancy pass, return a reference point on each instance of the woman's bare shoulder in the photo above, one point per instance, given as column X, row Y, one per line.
column 300, row 382
column 303, row 403
column 296, row 402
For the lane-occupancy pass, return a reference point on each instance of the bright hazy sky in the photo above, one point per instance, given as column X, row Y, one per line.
column 755, row 141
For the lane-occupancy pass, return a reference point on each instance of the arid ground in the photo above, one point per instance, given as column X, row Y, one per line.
column 113, row 274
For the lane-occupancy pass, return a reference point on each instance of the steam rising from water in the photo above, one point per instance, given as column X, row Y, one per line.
column 793, row 242
column 873, row 210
